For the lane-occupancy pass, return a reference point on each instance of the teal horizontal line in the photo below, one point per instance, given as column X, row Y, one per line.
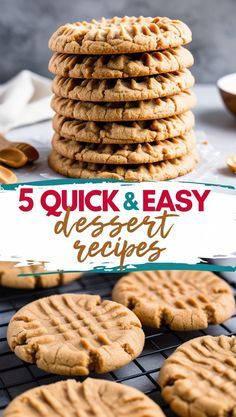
column 148, row 267
column 67, row 181
column 230, row 187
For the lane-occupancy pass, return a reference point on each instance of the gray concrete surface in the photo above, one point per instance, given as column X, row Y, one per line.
column 25, row 26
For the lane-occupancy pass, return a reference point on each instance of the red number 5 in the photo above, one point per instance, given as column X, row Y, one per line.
column 25, row 198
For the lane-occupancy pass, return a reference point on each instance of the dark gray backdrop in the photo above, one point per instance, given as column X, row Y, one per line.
column 25, row 26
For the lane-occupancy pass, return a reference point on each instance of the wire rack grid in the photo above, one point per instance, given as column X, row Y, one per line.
column 17, row 376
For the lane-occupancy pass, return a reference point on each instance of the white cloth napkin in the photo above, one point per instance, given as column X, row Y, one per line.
column 25, row 99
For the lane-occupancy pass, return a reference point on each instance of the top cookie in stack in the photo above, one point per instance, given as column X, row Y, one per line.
column 122, row 99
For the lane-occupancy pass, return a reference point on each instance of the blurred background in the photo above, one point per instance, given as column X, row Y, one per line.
column 26, row 25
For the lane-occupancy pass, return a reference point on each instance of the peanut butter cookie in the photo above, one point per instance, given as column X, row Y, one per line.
column 90, row 398
column 120, row 66
column 124, row 154
column 120, row 35
column 9, row 277
column 183, row 300
column 124, row 111
column 199, row 378
column 130, row 89
column 158, row 171
column 124, row 132
column 75, row 334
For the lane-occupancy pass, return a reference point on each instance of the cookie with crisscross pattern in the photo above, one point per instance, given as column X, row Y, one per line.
column 183, row 300
column 124, row 111
column 123, row 132
column 91, row 398
column 120, row 35
column 120, row 66
column 142, row 153
column 130, row 89
column 199, row 378
column 75, row 334
column 158, row 171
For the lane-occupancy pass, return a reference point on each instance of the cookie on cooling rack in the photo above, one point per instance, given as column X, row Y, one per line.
column 93, row 397
column 75, row 334
column 9, row 277
column 183, row 300
column 199, row 378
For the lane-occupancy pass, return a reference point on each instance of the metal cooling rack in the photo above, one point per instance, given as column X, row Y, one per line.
column 17, row 376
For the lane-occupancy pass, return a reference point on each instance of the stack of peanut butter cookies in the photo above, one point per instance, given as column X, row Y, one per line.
column 122, row 99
